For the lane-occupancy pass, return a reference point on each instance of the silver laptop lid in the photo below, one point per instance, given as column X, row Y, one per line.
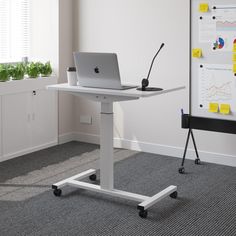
column 99, row 70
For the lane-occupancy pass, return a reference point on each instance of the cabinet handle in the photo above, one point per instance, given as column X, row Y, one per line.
column 33, row 116
column 28, row 117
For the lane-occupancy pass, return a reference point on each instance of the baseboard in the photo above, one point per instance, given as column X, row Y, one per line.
column 148, row 147
column 217, row 158
column 67, row 137
column 27, row 151
column 88, row 138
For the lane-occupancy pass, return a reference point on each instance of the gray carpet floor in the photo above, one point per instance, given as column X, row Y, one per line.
column 206, row 203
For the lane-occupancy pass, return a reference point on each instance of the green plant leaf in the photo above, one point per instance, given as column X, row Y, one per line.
column 33, row 70
column 4, row 73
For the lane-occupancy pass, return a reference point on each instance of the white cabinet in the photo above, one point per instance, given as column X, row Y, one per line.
column 15, row 123
column 44, row 115
column 29, row 118
column 0, row 126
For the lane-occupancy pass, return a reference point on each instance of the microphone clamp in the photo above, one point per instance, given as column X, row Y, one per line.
column 145, row 83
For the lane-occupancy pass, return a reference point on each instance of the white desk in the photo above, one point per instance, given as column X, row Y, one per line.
column 106, row 97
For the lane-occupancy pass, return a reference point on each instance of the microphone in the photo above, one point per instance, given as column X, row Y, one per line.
column 145, row 81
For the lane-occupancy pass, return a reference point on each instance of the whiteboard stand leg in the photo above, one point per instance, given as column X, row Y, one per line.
column 197, row 160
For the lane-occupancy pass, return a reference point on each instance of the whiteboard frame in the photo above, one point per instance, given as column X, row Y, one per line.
column 194, row 109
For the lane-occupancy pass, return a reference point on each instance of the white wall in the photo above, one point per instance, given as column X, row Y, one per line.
column 44, row 31
column 134, row 30
column 52, row 39
column 66, row 101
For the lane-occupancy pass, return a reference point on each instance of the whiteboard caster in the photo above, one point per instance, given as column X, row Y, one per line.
column 181, row 170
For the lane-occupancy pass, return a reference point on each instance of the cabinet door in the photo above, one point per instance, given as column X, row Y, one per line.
column 44, row 118
column 15, row 123
column 0, row 126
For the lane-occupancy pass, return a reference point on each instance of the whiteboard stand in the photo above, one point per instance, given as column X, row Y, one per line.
column 204, row 123
column 211, row 72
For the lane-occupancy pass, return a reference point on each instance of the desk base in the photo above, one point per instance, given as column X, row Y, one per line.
column 146, row 201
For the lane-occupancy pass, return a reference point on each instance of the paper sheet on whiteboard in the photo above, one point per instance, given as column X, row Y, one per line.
column 216, row 85
column 207, row 29
column 225, row 21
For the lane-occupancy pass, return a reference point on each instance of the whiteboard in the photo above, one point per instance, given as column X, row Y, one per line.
column 212, row 79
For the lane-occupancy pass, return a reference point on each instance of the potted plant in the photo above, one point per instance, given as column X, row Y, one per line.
column 17, row 72
column 32, row 70
column 4, row 73
column 45, row 69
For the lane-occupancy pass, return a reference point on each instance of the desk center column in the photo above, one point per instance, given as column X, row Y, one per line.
column 106, row 146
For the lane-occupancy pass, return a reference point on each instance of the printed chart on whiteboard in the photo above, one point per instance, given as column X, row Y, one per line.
column 216, row 84
column 225, row 26
column 219, row 27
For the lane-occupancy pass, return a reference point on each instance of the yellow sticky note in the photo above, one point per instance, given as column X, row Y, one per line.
column 197, row 52
column 234, row 47
column 213, row 107
column 203, row 7
column 225, row 109
column 234, row 68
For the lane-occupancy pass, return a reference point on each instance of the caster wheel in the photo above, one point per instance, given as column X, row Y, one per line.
column 93, row 177
column 57, row 192
column 181, row 170
column 143, row 213
column 174, row 194
column 197, row 161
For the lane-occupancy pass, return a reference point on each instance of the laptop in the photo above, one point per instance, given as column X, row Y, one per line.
column 98, row 70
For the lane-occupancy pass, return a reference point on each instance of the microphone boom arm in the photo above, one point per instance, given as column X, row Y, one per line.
column 162, row 45
column 145, row 81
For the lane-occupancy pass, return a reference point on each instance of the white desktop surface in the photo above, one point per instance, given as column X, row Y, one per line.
column 132, row 93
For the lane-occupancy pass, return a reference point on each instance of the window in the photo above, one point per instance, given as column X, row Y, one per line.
column 14, row 30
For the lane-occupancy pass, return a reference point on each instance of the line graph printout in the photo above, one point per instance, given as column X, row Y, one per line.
column 216, row 85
